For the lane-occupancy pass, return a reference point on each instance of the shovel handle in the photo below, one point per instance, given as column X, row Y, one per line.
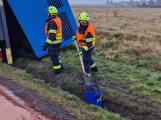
column 80, row 57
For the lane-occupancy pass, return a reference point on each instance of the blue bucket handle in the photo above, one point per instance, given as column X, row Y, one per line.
column 97, row 96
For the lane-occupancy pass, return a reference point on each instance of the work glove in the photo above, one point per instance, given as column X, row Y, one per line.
column 80, row 53
column 44, row 48
column 74, row 38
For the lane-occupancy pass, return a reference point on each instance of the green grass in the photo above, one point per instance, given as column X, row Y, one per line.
column 139, row 80
column 63, row 99
column 32, row 66
column 142, row 80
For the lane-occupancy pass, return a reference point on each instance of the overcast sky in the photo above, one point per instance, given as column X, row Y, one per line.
column 92, row 2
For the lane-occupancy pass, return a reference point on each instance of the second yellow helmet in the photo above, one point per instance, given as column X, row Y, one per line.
column 84, row 17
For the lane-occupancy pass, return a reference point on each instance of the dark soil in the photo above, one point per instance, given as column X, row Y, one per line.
column 93, row 88
column 67, row 82
column 45, row 108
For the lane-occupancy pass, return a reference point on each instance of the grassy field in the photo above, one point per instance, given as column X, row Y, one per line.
column 128, row 34
column 128, row 47
column 128, row 57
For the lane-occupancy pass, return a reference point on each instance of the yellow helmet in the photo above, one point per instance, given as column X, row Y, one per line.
column 52, row 10
column 84, row 17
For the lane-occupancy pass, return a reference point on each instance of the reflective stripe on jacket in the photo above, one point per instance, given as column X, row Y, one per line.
column 91, row 30
column 58, row 32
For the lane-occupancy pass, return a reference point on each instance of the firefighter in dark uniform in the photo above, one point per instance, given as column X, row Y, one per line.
column 86, row 38
column 53, row 32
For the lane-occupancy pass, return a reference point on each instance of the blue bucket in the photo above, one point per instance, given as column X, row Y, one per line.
column 93, row 97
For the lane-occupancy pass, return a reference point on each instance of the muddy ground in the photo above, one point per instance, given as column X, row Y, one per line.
column 138, row 110
column 45, row 108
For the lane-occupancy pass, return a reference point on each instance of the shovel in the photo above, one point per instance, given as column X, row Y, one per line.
column 87, row 78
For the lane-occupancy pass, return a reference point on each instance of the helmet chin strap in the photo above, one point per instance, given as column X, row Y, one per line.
column 50, row 15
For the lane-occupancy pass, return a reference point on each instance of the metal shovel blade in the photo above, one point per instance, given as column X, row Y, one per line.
column 87, row 79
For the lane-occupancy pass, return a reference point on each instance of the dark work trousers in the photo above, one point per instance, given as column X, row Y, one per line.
column 88, row 61
column 54, row 52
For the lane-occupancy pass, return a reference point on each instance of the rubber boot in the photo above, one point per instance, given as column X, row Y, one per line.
column 81, row 82
column 62, row 66
column 54, row 73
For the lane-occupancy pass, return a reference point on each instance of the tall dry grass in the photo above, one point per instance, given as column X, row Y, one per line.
column 133, row 34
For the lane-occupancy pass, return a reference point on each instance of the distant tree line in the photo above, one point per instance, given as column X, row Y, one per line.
column 158, row 2
column 109, row 2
